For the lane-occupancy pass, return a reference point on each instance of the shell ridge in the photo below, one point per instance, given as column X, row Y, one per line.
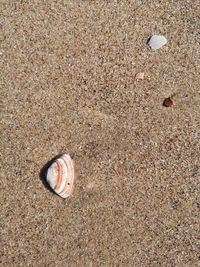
column 59, row 177
column 63, row 176
column 70, row 177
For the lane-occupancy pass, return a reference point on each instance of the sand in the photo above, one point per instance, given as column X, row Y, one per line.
column 68, row 85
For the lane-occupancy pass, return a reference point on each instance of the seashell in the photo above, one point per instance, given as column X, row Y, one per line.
column 157, row 41
column 60, row 176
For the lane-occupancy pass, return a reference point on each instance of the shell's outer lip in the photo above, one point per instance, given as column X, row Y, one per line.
column 70, row 180
column 69, row 168
column 69, row 183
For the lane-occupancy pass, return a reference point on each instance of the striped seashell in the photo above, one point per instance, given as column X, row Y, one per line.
column 60, row 176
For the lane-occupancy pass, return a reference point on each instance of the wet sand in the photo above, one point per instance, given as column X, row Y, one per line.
column 68, row 85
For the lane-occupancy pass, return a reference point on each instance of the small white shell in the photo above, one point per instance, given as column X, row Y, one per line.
column 60, row 176
column 157, row 41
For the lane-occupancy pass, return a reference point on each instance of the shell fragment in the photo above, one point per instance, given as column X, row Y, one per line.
column 157, row 41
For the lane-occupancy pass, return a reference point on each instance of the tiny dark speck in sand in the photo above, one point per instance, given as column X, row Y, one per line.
column 168, row 102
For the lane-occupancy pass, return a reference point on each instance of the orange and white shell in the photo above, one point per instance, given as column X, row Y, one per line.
column 60, row 176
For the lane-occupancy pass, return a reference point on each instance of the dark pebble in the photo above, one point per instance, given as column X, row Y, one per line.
column 167, row 102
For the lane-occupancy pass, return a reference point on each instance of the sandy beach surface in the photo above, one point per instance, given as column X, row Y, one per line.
column 68, row 85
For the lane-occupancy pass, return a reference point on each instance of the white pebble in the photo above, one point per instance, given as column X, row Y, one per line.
column 157, row 41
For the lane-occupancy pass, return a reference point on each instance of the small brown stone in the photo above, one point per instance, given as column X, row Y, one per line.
column 168, row 102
